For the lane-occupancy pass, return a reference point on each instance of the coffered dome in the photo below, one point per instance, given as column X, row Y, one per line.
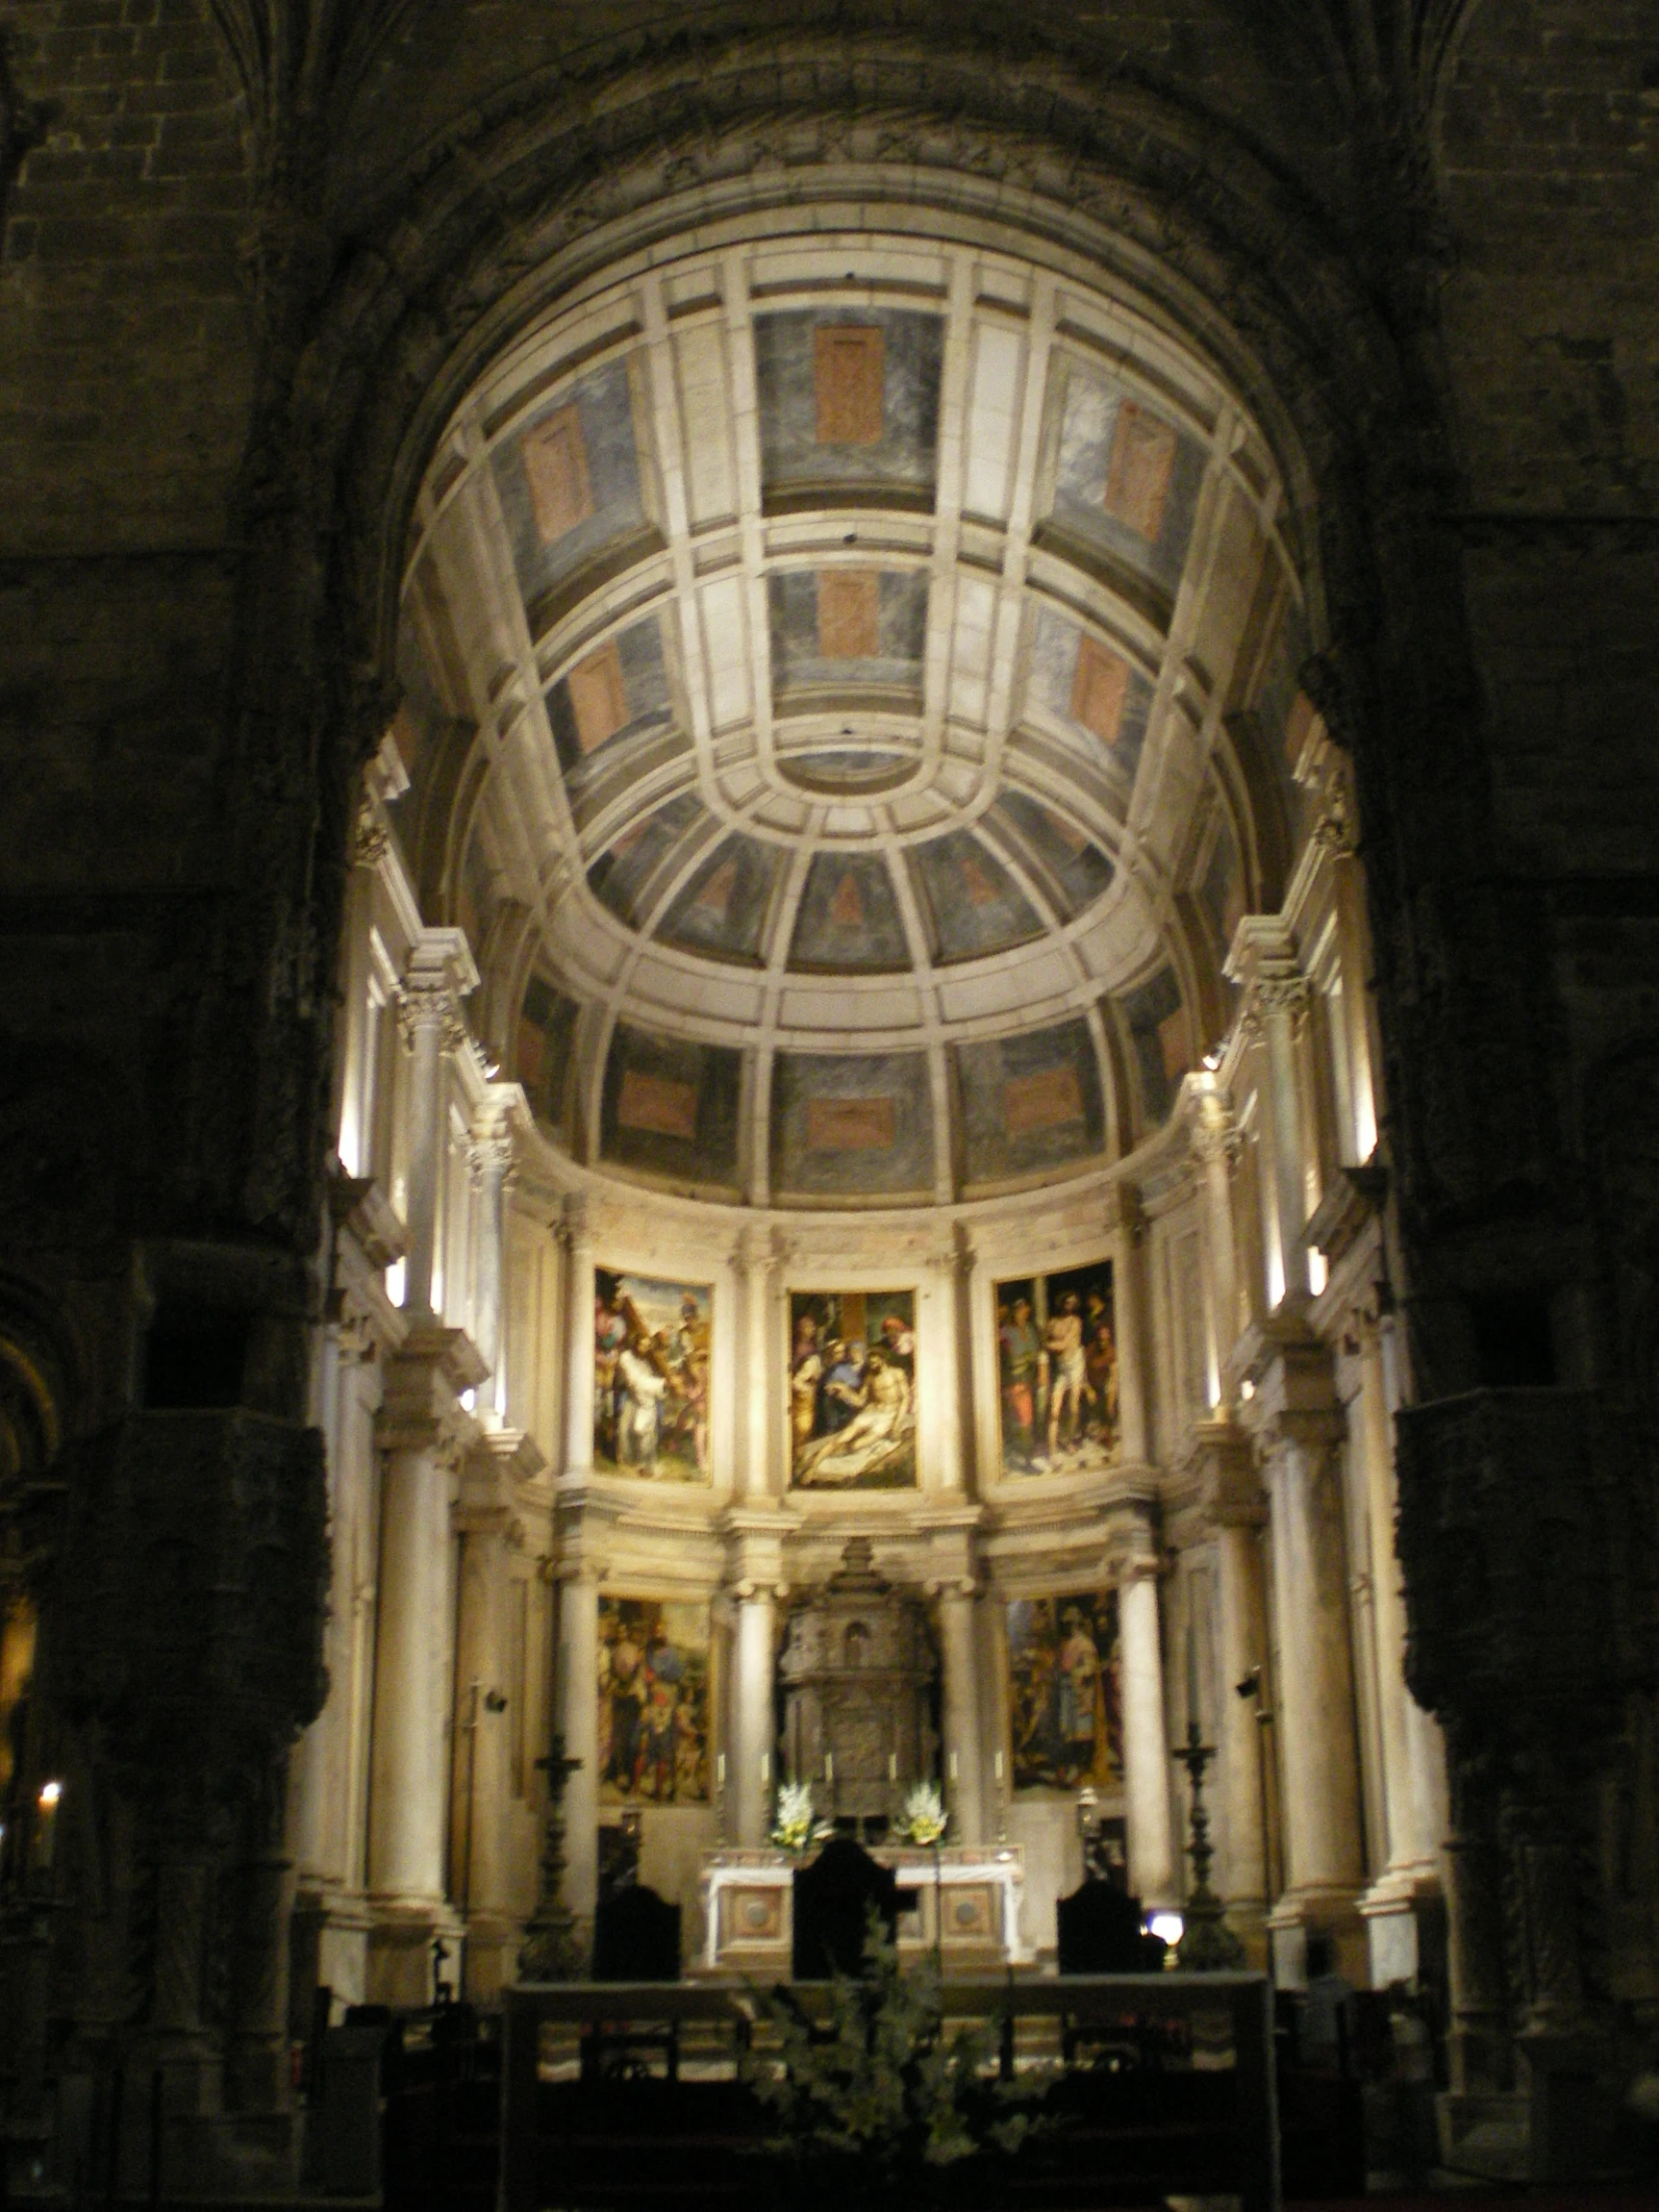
column 847, row 679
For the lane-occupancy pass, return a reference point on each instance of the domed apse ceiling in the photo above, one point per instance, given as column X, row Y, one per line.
column 847, row 687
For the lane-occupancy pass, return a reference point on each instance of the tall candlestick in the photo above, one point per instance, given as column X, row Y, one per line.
column 1192, row 1671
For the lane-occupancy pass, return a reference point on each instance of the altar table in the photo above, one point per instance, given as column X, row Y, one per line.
column 967, row 1900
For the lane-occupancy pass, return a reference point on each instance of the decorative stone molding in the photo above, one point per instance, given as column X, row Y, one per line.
column 439, row 974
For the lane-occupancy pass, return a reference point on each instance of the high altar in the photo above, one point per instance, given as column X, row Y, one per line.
column 964, row 1900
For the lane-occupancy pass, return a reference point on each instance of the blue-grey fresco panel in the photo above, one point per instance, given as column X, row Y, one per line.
column 1030, row 1103
column 625, row 878
column 846, row 1126
column 849, row 917
column 604, row 405
column 1145, row 1009
column 797, row 664
column 1055, row 644
column 1088, row 422
column 974, row 904
column 722, row 909
column 670, row 1108
column 904, row 456
column 1076, row 869
column 649, row 710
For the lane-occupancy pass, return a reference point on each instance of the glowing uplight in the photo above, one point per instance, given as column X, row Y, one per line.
column 1170, row 1925
column 469, row 1400
column 1318, row 1273
column 397, row 1275
column 50, row 1794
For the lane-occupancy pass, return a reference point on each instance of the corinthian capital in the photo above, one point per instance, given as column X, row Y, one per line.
column 439, row 974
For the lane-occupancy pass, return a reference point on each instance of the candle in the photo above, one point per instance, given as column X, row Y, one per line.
column 1192, row 1674
column 956, row 1768
column 893, row 1766
column 766, row 1766
column 46, row 1834
column 829, row 1766
column 719, row 1770
column 999, row 1766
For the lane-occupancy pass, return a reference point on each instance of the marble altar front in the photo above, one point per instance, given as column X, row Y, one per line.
column 965, row 1900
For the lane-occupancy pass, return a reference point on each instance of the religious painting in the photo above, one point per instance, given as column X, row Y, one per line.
column 1057, row 1372
column 650, row 1378
column 653, row 1701
column 852, row 1365
column 1065, row 1716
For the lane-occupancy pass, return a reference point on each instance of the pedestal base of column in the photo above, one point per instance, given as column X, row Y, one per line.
column 1405, row 1916
column 493, row 1942
column 1313, row 1912
column 1248, row 1919
column 328, row 1949
column 205, row 2151
column 400, row 1938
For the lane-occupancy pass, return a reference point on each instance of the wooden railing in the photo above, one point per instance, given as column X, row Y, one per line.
column 1226, row 2020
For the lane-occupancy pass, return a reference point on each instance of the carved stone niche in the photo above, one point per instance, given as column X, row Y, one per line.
column 859, row 1670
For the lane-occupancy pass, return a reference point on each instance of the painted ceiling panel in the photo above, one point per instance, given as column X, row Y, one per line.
column 1030, row 1103
column 613, row 699
column 670, row 1108
column 848, row 398
column 624, row 876
column 849, row 917
column 842, row 629
column 852, row 1127
column 973, row 901
column 1126, row 478
column 722, row 909
column 569, row 480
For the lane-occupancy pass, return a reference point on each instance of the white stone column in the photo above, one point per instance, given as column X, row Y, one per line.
column 964, row 1779
column 1146, row 1759
column 752, row 1779
column 1264, row 961
column 1236, row 1510
column 1215, row 1144
column 1127, row 1316
column 576, row 1234
column 1299, row 1432
column 578, row 1711
column 438, row 975
column 1412, row 1757
column 490, row 1157
column 760, row 1380
column 484, row 1717
column 948, row 1389
column 422, row 1433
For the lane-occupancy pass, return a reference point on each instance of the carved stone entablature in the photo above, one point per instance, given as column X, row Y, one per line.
column 360, row 1209
column 421, row 1407
column 439, row 974
column 190, row 1594
column 1263, row 962
column 1353, row 1199
column 1221, row 1464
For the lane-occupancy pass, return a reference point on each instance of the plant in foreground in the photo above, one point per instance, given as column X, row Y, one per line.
column 873, row 2094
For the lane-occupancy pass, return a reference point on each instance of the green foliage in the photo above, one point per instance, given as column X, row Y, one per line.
column 879, row 2081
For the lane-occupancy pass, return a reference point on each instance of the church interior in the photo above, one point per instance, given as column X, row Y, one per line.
column 830, row 853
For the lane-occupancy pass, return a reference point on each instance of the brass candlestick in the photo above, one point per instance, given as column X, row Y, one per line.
column 553, row 1950
column 1208, row 1945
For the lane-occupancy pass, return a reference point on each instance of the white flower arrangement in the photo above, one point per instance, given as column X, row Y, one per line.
column 796, row 1824
column 924, row 1819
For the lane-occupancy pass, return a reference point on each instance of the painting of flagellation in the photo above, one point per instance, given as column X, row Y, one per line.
column 852, row 1393
column 653, row 1701
column 1066, row 1720
column 1057, row 1363
column 651, row 1377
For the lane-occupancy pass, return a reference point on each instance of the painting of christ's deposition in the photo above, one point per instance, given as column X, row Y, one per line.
column 653, row 1701
column 1064, row 1715
column 853, row 1370
column 1057, row 1363
column 651, row 1377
